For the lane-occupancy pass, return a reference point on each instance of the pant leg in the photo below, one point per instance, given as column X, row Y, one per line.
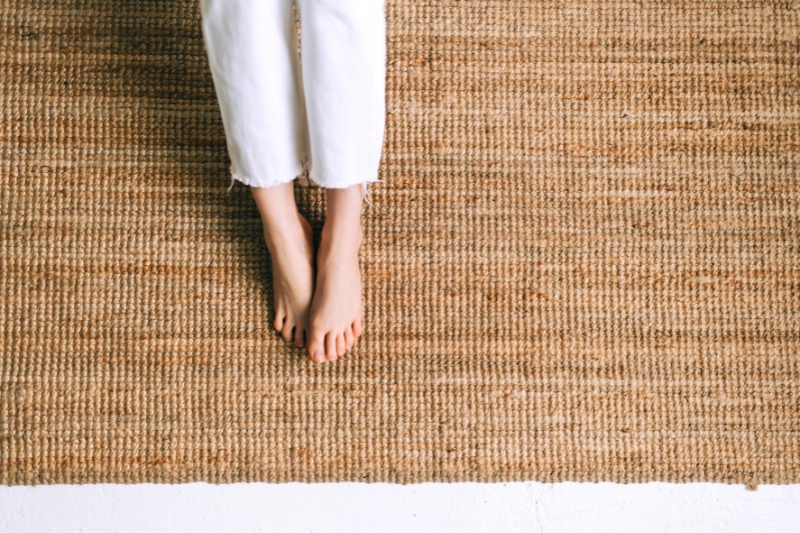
column 253, row 58
column 344, row 82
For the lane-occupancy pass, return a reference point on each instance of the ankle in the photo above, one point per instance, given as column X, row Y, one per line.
column 340, row 240
column 280, row 232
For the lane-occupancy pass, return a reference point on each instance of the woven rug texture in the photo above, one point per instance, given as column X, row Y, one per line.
column 583, row 263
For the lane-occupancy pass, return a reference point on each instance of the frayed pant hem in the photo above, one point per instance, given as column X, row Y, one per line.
column 365, row 186
column 235, row 176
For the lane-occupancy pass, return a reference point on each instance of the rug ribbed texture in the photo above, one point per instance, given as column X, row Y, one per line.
column 584, row 263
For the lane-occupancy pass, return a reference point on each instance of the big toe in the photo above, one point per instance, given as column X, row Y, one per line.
column 316, row 347
column 356, row 325
column 288, row 330
column 300, row 336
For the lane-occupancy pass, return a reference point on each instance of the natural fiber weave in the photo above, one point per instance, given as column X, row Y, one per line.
column 584, row 263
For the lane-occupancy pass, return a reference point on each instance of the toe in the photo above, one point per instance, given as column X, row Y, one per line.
column 348, row 338
column 316, row 347
column 288, row 331
column 300, row 337
column 357, row 327
column 330, row 346
column 279, row 320
column 340, row 349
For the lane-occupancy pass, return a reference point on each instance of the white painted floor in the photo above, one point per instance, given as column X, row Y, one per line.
column 353, row 507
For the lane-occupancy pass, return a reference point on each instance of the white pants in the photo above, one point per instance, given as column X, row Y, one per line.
column 324, row 114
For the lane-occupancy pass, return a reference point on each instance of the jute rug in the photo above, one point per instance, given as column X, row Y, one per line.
column 584, row 263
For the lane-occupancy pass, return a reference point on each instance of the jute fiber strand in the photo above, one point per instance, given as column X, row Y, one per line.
column 583, row 263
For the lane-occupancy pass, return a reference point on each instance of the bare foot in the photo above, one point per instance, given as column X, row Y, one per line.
column 336, row 310
column 293, row 281
column 289, row 238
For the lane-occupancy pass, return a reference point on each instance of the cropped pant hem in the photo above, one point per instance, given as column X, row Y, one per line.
column 325, row 113
column 342, row 183
column 251, row 182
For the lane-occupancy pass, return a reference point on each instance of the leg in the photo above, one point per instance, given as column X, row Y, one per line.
column 252, row 53
column 290, row 241
column 336, row 310
column 344, row 65
column 344, row 87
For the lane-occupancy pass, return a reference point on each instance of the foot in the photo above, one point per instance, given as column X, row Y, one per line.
column 336, row 310
column 289, row 238
column 292, row 253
